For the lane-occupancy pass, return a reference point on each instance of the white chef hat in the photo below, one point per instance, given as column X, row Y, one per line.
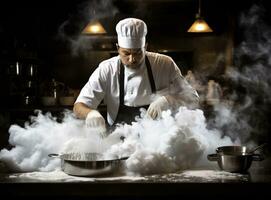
column 131, row 33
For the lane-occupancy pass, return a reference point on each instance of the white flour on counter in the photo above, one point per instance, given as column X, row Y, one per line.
column 200, row 176
column 203, row 176
column 211, row 175
column 60, row 176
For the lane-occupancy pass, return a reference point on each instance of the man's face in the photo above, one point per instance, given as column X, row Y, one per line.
column 132, row 58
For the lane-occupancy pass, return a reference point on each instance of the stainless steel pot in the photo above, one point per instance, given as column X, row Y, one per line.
column 234, row 158
column 88, row 164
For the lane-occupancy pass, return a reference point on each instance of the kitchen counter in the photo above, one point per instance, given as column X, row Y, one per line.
column 205, row 181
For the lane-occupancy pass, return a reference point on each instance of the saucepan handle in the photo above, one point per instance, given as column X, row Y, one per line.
column 124, row 158
column 54, row 155
column 212, row 157
column 257, row 157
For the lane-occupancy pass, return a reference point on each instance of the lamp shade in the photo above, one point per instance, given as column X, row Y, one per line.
column 94, row 27
column 200, row 26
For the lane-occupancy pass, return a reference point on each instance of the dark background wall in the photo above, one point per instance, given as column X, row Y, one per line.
column 47, row 32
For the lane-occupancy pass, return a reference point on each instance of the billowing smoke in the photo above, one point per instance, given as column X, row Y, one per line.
column 244, row 103
column 70, row 30
column 153, row 146
column 247, row 107
column 44, row 135
column 172, row 143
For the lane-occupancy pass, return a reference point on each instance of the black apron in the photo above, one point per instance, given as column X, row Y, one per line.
column 127, row 114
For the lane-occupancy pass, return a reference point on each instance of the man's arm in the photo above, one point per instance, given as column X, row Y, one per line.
column 92, row 93
column 183, row 94
column 81, row 110
column 178, row 93
column 92, row 117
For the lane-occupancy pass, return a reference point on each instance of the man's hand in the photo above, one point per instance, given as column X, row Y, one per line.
column 155, row 109
column 95, row 120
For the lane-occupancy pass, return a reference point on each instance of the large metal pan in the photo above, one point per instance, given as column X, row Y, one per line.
column 234, row 158
column 89, row 164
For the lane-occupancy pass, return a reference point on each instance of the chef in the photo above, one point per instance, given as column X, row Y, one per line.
column 132, row 80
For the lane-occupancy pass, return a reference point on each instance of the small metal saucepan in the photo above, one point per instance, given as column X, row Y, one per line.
column 234, row 158
column 88, row 164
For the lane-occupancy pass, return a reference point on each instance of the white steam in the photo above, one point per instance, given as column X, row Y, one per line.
column 168, row 144
column 153, row 146
column 245, row 116
column 43, row 136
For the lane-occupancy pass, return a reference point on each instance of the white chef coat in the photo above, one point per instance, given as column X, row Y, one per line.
column 104, row 84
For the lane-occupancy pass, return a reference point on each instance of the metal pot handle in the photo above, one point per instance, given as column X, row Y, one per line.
column 212, row 157
column 54, row 155
column 257, row 157
column 124, row 158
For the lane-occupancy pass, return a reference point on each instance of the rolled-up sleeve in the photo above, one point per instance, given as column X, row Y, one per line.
column 94, row 90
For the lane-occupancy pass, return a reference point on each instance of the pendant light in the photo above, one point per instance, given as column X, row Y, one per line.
column 94, row 27
column 200, row 25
